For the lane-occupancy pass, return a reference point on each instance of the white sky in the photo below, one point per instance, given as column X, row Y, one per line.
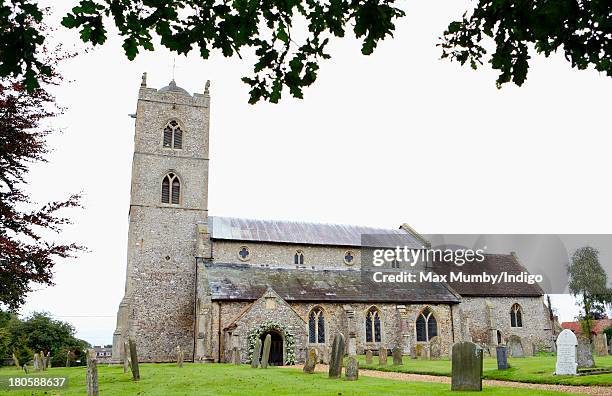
column 399, row 136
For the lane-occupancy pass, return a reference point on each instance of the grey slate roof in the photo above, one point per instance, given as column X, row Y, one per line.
column 248, row 282
column 231, row 228
column 493, row 264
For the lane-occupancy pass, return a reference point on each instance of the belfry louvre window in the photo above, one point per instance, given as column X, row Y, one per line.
column 426, row 325
column 372, row 325
column 173, row 135
column 516, row 316
column 171, row 189
column 316, row 326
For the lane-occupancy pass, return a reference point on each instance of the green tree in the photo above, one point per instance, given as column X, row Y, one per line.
column 289, row 57
column 40, row 332
column 588, row 282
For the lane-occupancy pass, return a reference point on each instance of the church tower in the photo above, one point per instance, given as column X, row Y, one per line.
column 167, row 218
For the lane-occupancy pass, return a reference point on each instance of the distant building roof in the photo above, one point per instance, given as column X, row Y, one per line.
column 231, row 228
column 249, row 282
column 598, row 326
column 493, row 264
column 172, row 87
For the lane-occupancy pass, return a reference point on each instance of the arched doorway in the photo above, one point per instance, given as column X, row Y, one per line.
column 276, row 348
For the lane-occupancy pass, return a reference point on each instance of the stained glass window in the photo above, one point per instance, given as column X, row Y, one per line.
column 516, row 316
column 372, row 324
column 316, row 326
column 426, row 325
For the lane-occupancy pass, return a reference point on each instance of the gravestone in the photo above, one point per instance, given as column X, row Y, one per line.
column 601, row 344
column 16, row 361
column 25, row 369
column 36, row 362
column 92, row 373
column 134, row 360
column 501, row 353
column 397, row 356
column 256, row 354
column 435, row 348
column 236, row 355
column 466, row 367
column 566, row 353
column 382, row 356
column 48, row 361
column 265, row 356
column 584, row 353
column 368, row 358
column 43, row 361
column 126, row 357
column 610, row 347
column 352, row 345
column 311, row 361
column 68, row 359
column 337, row 355
column 180, row 356
column 351, row 373
column 515, row 347
column 413, row 352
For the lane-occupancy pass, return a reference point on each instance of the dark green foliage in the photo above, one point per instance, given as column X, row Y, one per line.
column 581, row 29
column 288, row 57
column 40, row 332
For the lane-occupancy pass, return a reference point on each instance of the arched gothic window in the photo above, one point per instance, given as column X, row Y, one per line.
column 516, row 316
column 426, row 325
column 372, row 325
column 316, row 326
column 171, row 189
column 299, row 257
column 173, row 135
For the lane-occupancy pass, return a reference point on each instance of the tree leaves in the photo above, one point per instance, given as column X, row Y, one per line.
column 582, row 29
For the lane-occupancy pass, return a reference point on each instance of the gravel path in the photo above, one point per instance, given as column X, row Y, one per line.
column 585, row 390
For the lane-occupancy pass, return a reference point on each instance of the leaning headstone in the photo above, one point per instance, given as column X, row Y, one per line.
column 601, row 344
column 382, row 356
column 515, row 347
column 566, row 353
column 92, row 373
column 351, row 373
column 236, row 355
column 368, row 358
column 36, row 362
column 337, row 355
column 125, row 357
column 501, row 353
column 134, row 360
column 265, row 356
column 311, row 361
column 15, row 360
column 466, row 367
column 256, row 354
column 25, row 369
column 397, row 356
column 584, row 353
column 435, row 348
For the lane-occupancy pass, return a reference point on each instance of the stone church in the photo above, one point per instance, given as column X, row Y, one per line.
column 213, row 285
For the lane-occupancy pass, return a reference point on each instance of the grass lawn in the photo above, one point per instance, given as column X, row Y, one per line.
column 537, row 369
column 225, row 379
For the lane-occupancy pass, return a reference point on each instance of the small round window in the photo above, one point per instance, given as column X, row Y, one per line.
column 349, row 257
column 244, row 254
